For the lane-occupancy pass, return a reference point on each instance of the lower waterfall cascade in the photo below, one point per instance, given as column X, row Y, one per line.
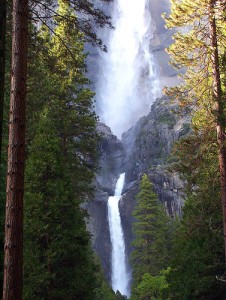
column 120, row 277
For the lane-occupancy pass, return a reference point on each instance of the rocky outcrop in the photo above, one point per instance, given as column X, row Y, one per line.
column 162, row 39
column 93, row 59
column 148, row 146
column 97, row 225
column 144, row 148
column 149, row 143
column 169, row 189
column 111, row 161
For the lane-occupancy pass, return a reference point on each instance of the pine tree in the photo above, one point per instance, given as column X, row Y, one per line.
column 89, row 19
column 15, row 175
column 150, row 229
column 103, row 290
column 152, row 287
column 199, row 46
column 198, row 255
column 3, row 165
column 13, row 257
column 58, row 259
column 73, row 106
column 2, row 65
column 59, row 263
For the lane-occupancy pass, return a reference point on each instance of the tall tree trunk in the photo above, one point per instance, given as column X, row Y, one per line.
column 13, row 262
column 2, row 64
column 219, row 110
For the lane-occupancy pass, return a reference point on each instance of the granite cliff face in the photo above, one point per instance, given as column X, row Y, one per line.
column 144, row 148
column 148, row 146
column 112, row 155
column 149, row 143
column 111, row 161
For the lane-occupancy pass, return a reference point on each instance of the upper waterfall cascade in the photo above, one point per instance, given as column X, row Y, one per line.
column 128, row 81
column 120, row 277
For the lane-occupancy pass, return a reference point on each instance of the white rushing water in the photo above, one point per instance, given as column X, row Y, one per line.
column 128, row 82
column 119, row 277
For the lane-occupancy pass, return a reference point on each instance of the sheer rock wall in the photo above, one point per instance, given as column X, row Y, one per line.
column 144, row 148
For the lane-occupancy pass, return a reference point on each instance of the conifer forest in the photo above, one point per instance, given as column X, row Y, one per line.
column 113, row 149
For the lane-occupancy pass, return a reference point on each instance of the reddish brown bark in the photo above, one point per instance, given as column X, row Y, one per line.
column 13, row 262
column 219, row 110
column 2, row 64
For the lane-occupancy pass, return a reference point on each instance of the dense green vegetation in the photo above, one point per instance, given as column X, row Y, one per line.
column 198, row 254
column 151, row 231
column 189, row 254
column 61, row 264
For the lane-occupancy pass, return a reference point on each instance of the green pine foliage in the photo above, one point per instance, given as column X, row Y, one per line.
column 192, row 54
column 198, row 255
column 152, row 287
column 58, row 261
column 58, row 72
column 103, row 290
column 151, row 231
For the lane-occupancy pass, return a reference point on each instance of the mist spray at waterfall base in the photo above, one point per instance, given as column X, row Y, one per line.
column 120, row 277
column 128, row 82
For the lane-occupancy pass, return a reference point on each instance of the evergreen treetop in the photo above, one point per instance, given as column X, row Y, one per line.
column 150, row 230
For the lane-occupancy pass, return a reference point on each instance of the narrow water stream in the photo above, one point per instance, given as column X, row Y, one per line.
column 120, row 277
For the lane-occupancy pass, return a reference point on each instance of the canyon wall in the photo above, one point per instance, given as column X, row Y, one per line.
column 144, row 148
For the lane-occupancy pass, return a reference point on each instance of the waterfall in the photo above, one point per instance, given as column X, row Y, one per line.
column 128, row 81
column 119, row 277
